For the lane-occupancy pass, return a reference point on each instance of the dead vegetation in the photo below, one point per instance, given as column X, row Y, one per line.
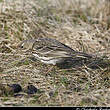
column 84, row 25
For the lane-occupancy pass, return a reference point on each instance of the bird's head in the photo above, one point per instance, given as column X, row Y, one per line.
column 27, row 44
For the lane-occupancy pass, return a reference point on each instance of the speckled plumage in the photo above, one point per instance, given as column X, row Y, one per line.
column 51, row 51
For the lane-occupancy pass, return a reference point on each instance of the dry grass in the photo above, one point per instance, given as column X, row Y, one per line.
column 84, row 25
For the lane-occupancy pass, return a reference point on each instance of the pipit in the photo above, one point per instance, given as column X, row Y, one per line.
column 51, row 51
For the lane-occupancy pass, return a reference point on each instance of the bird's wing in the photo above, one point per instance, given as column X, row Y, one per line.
column 56, row 51
column 50, row 51
column 52, row 47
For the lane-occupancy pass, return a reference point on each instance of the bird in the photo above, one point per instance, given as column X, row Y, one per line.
column 52, row 51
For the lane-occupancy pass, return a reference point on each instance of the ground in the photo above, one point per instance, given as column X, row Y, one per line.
column 83, row 25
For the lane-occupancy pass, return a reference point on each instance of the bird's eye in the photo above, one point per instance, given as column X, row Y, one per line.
column 21, row 46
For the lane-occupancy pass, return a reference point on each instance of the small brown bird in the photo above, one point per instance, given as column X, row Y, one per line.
column 51, row 51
